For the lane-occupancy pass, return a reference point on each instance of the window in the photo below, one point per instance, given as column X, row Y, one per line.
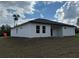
column 37, row 29
column 43, row 29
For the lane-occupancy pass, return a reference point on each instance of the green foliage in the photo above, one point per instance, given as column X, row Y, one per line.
column 77, row 30
column 16, row 17
column 5, row 28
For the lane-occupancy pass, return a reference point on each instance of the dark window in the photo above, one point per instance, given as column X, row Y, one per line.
column 43, row 29
column 37, row 29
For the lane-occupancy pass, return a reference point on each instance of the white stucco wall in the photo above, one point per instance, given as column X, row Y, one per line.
column 23, row 31
column 54, row 33
column 68, row 31
column 57, row 32
column 29, row 30
column 33, row 31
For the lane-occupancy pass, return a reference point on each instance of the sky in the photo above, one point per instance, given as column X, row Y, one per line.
column 59, row 11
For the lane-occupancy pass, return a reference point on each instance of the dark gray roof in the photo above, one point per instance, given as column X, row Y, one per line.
column 45, row 21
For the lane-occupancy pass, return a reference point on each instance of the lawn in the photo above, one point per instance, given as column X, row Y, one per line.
column 66, row 47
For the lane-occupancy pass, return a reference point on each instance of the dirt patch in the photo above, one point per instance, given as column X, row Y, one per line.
column 39, row 47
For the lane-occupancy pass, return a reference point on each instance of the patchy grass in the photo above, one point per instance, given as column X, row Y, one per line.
column 40, row 48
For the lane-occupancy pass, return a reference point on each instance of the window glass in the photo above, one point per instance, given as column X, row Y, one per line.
column 37, row 29
column 43, row 29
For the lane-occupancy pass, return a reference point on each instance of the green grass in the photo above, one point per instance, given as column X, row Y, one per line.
column 40, row 48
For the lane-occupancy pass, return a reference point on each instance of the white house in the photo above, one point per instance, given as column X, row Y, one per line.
column 42, row 28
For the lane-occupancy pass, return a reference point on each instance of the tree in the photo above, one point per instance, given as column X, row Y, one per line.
column 16, row 16
column 5, row 28
column 77, row 22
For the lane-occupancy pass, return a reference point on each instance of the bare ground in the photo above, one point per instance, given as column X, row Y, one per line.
column 67, row 47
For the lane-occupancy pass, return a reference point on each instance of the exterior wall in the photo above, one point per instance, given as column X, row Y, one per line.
column 33, row 30
column 54, row 33
column 57, row 31
column 68, row 31
column 23, row 31
column 29, row 30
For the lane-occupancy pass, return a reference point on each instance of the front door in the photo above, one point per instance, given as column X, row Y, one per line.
column 51, row 31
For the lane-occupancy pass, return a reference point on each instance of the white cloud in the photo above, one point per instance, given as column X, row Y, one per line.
column 50, row 2
column 68, row 13
column 59, row 14
column 8, row 8
column 41, row 15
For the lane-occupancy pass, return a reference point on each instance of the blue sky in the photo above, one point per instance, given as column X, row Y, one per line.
column 60, row 11
column 45, row 10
